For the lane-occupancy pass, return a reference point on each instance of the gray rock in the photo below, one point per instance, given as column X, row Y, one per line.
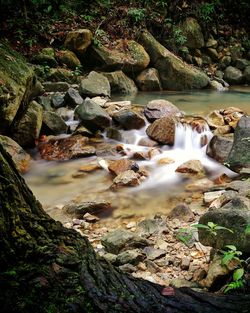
column 239, row 155
column 45, row 102
column 120, row 240
column 92, row 115
column 219, row 147
column 182, row 212
column 153, row 253
column 149, row 80
column 53, row 124
column 56, row 86
column 72, row 98
column 128, row 119
column 247, row 74
column 181, row 282
column 225, row 62
column 57, row 100
column 130, row 256
column 120, row 83
column 233, row 75
column 92, row 207
column 159, row 108
column 242, row 186
column 128, row 268
column 94, row 84
column 149, row 227
column 192, row 31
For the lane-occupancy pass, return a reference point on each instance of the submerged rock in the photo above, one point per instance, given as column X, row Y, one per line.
column 159, row 108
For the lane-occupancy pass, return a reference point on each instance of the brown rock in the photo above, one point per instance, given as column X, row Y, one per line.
column 215, row 119
column 162, row 130
column 119, row 166
column 191, row 168
column 185, row 263
column 182, row 212
column 159, row 108
column 128, row 178
column 78, row 40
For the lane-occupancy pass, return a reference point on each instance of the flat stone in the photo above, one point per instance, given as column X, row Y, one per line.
column 153, row 253
column 130, row 256
column 128, row 178
column 91, row 207
column 119, row 166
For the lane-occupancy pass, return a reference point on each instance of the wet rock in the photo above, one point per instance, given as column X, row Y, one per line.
column 119, row 166
column 149, row 80
column 114, row 133
column 120, row 240
column 215, row 85
column 120, row 83
column 90, row 167
column 91, row 207
column 215, row 119
column 233, row 75
column 53, row 124
column 78, row 40
column 159, row 108
column 92, row 115
column 128, row 178
column 69, row 59
column 191, row 168
column 242, row 186
column 93, row 85
column 162, row 130
column 182, row 212
column 239, row 155
column 192, row 31
column 56, row 86
column 28, row 129
column 19, row 156
column 57, row 100
column 126, row 55
column 81, row 130
column 147, row 142
column 66, row 148
column 72, row 98
column 174, row 73
column 130, row 256
column 153, row 253
column 129, row 119
column 219, row 147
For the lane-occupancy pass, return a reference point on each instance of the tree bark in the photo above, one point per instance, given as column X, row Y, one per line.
column 47, row 268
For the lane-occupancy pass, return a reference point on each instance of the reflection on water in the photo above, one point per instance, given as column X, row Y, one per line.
column 56, row 182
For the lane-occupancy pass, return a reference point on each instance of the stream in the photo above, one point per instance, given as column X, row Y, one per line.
column 56, row 183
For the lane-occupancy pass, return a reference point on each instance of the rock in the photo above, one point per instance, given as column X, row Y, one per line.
column 90, row 167
column 242, row 187
column 211, row 43
column 174, row 73
column 149, row 80
column 185, row 263
column 219, row 147
column 130, row 256
column 236, row 51
column 120, row 83
column 56, row 86
column 69, row 58
column 215, row 119
column 110, row 257
column 239, row 155
column 66, row 148
column 215, row 85
column 191, row 168
column 126, row 55
column 213, row 54
column 61, row 75
column 149, row 227
column 182, row 212
column 128, row 178
column 114, row 133
column 48, row 51
column 181, row 282
column 45, row 102
column 162, row 130
column 19, row 156
column 247, row 74
column 234, row 215
column 120, row 240
column 223, row 199
column 127, row 268
column 233, row 118
column 65, row 113
column 153, row 253
column 94, row 84
column 210, row 196
column 128, row 119
column 44, row 59
column 233, row 75
column 119, row 166
column 241, row 64
column 53, row 124
column 91, row 207
column 27, row 131
column 78, row 40
column 92, row 115
column 192, row 31
column 222, row 130
column 159, row 108
column 72, row 98
column 225, row 62
column 57, row 100
column 90, row 218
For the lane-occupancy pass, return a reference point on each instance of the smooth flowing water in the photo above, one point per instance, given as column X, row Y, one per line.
column 56, row 183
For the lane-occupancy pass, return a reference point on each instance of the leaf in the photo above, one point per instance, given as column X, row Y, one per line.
column 227, row 258
column 231, row 247
column 247, row 230
column 217, row 227
column 211, row 225
column 238, row 274
column 200, row 226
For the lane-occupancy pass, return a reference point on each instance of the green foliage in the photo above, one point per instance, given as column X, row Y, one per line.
column 100, row 36
column 230, row 254
column 206, row 11
column 247, row 230
column 185, row 235
column 178, row 36
column 137, row 15
column 212, row 228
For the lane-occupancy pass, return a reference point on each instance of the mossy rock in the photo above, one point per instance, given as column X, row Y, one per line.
column 16, row 80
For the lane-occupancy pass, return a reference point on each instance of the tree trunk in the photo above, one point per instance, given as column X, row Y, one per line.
column 45, row 267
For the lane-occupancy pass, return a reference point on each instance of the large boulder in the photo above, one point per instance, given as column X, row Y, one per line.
column 92, row 115
column 234, row 215
column 68, row 58
column 16, row 84
column 53, row 124
column 27, row 130
column 239, row 155
column 19, row 156
column 162, row 130
column 149, row 80
column 192, row 31
column 126, row 55
column 78, row 40
column 233, row 75
column 219, row 147
column 174, row 73
column 128, row 119
column 94, row 84
column 159, row 108
column 120, row 83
